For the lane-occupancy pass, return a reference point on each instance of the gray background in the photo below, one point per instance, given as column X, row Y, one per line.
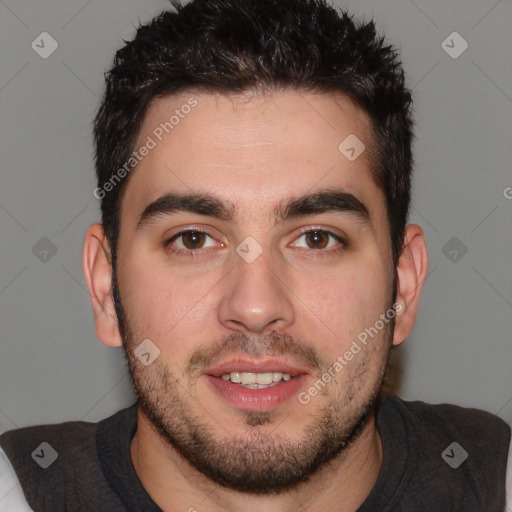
column 53, row 368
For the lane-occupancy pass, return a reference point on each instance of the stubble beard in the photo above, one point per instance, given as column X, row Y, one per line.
column 257, row 462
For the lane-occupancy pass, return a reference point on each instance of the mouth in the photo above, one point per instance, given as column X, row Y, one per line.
column 256, row 380
column 253, row 385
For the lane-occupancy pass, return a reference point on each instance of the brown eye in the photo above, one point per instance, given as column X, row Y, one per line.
column 190, row 242
column 320, row 241
column 193, row 239
column 317, row 239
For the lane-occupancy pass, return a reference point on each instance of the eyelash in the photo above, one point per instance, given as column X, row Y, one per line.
column 315, row 252
column 181, row 252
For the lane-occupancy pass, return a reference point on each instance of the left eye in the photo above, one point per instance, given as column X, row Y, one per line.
column 319, row 239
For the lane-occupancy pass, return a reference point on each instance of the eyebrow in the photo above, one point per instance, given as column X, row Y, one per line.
column 323, row 201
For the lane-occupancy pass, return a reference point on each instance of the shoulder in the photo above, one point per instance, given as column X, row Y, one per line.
column 467, row 449
column 42, row 461
column 473, row 425
column 71, row 432
column 37, row 443
column 482, row 437
column 32, row 458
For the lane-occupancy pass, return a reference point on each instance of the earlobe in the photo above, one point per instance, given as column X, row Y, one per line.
column 412, row 270
column 96, row 265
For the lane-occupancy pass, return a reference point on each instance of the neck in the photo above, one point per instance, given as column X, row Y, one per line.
column 175, row 485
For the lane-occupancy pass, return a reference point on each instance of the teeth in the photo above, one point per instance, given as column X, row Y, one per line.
column 248, row 379
column 264, row 378
column 235, row 377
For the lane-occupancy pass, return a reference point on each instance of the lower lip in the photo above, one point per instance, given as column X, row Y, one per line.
column 256, row 399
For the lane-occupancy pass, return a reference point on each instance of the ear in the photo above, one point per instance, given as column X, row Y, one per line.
column 412, row 271
column 97, row 268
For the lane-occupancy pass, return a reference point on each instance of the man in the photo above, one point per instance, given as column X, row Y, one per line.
column 254, row 261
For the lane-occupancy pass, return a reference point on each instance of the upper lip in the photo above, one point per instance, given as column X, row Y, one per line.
column 244, row 364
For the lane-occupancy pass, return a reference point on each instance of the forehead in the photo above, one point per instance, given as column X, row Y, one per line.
column 252, row 151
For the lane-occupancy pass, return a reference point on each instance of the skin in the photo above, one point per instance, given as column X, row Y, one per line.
column 302, row 300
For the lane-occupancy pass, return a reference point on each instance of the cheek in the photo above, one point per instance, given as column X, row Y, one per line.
column 165, row 307
column 342, row 305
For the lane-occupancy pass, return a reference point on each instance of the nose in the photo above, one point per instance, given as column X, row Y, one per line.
column 255, row 297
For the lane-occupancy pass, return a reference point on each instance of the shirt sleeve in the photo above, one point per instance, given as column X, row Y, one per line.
column 12, row 498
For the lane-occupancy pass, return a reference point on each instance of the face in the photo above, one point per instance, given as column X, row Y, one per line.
column 250, row 244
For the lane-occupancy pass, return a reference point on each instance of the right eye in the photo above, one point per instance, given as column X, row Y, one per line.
column 189, row 242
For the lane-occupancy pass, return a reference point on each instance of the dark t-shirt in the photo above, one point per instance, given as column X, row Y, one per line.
column 422, row 468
